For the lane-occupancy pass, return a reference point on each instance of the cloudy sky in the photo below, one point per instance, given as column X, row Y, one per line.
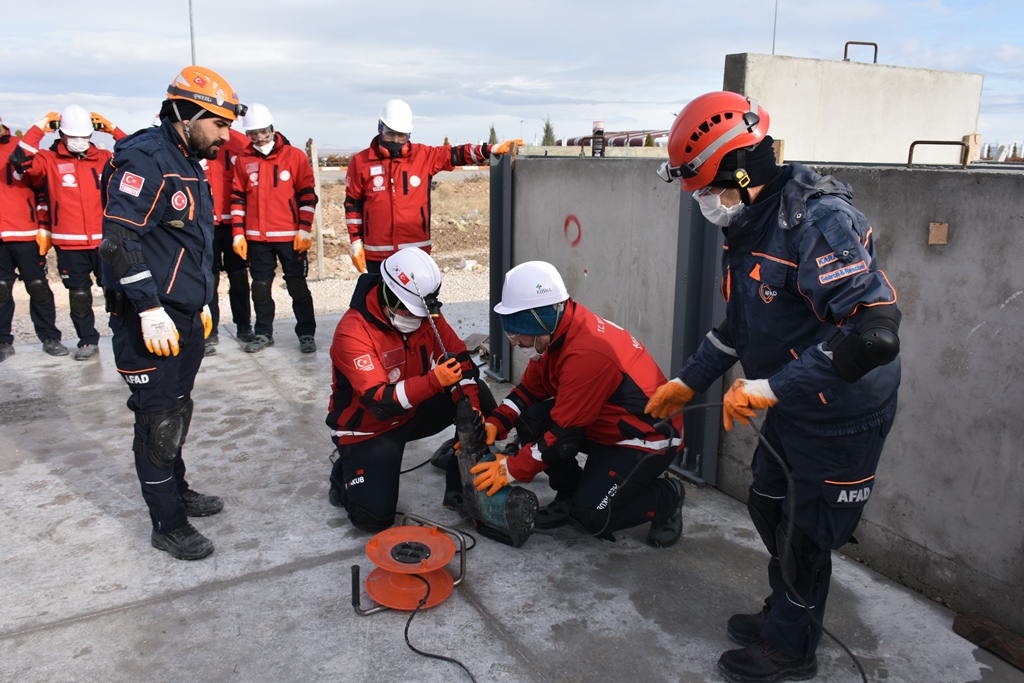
column 325, row 67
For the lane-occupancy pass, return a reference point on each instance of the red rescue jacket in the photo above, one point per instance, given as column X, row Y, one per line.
column 601, row 378
column 381, row 375
column 69, row 188
column 18, row 220
column 273, row 196
column 387, row 200
column 221, row 175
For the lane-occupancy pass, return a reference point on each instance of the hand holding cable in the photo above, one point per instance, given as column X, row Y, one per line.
column 743, row 398
column 669, row 398
column 159, row 332
column 492, row 475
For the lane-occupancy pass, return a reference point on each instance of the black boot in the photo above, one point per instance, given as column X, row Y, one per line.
column 199, row 505
column 553, row 515
column 746, row 628
column 665, row 533
column 759, row 662
column 183, row 543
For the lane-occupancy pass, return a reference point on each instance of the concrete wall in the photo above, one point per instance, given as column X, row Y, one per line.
column 836, row 111
column 947, row 516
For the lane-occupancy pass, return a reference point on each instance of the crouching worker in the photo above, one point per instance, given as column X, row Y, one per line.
column 584, row 390
column 391, row 383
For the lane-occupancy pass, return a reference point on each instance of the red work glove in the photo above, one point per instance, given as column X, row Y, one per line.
column 669, row 398
column 743, row 398
column 492, row 475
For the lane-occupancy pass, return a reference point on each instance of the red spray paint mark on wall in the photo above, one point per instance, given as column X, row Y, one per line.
column 572, row 220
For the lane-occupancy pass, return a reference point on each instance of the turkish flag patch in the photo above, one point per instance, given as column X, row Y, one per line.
column 364, row 363
column 131, row 183
column 178, row 201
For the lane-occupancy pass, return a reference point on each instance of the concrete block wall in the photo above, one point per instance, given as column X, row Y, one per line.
column 947, row 516
column 840, row 111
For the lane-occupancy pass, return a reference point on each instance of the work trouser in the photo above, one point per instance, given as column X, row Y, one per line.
column 77, row 268
column 225, row 260
column 833, row 477
column 600, row 497
column 21, row 260
column 158, row 384
column 263, row 258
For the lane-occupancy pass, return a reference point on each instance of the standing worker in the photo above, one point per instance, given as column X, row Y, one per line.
column 814, row 324
column 68, row 175
column 392, row 383
column 158, row 253
column 220, row 173
column 387, row 187
column 583, row 390
column 23, row 247
column 273, row 203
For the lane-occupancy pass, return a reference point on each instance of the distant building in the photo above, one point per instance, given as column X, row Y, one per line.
column 628, row 138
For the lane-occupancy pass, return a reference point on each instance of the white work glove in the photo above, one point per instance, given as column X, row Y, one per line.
column 159, row 332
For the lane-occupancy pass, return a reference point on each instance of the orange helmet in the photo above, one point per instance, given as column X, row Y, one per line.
column 206, row 88
column 707, row 129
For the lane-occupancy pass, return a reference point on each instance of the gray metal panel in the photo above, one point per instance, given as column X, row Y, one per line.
column 499, row 364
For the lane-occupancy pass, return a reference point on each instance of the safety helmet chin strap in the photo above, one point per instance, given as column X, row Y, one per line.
column 184, row 123
column 559, row 310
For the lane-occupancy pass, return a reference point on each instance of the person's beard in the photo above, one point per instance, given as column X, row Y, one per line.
column 203, row 146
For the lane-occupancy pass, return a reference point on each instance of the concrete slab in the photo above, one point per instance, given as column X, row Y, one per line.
column 85, row 598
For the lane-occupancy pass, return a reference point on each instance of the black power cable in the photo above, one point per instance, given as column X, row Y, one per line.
column 430, row 654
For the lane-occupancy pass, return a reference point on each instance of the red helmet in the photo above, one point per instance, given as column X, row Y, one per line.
column 707, row 129
column 209, row 90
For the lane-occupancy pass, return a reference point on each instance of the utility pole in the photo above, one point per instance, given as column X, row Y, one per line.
column 192, row 32
column 775, row 23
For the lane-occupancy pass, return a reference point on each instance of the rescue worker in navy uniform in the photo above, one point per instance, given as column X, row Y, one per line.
column 387, row 187
column 814, row 324
column 391, row 383
column 584, row 390
column 158, row 268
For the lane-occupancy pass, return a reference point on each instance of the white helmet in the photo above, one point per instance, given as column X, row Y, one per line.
column 75, row 121
column 410, row 273
column 397, row 116
column 257, row 118
column 531, row 285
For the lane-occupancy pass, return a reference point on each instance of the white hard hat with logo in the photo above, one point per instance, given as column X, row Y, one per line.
column 257, row 118
column 407, row 274
column 397, row 115
column 531, row 285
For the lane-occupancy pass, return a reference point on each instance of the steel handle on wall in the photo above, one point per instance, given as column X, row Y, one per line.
column 846, row 49
column 961, row 144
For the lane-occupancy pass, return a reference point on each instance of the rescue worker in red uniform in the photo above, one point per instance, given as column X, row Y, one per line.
column 68, row 177
column 220, row 174
column 387, row 187
column 273, row 203
column 584, row 390
column 23, row 254
column 814, row 323
column 158, row 260
column 392, row 384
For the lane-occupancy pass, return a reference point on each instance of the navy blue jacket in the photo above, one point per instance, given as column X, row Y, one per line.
column 156, row 187
column 796, row 265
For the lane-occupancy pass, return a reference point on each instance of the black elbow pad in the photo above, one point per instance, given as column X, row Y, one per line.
column 873, row 342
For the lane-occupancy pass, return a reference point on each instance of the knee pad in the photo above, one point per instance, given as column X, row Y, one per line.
column 81, row 302
column 167, row 431
column 39, row 291
column 766, row 514
column 5, row 291
column 298, row 290
column 361, row 518
column 534, row 421
column 803, row 563
column 261, row 291
column 563, row 450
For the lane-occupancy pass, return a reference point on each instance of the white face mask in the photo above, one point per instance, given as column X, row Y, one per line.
column 711, row 206
column 530, row 352
column 406, row 325
column 265, row 149
column 77, row 145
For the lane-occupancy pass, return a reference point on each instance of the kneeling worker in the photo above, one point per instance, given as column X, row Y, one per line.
column 583, row 390
column 392, row 383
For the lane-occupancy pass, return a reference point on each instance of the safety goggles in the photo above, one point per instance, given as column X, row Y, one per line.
column 389, row 135
column 261, row 135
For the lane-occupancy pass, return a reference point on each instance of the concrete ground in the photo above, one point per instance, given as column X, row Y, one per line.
column 85, row 597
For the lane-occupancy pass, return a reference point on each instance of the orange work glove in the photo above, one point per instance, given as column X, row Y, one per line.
column 102, row 123
column 448, row 372
column 240, row 247
column 669, row 398
column 492, row 475
column 491, row 435
column 743, row 398
column 303, row 241
column 358, row 256
column 504, row 147
column 43, row 240
column 49, row 122
column 207, row 319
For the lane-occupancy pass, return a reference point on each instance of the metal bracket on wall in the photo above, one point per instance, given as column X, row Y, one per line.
column 963, row 150
column 846, row 49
